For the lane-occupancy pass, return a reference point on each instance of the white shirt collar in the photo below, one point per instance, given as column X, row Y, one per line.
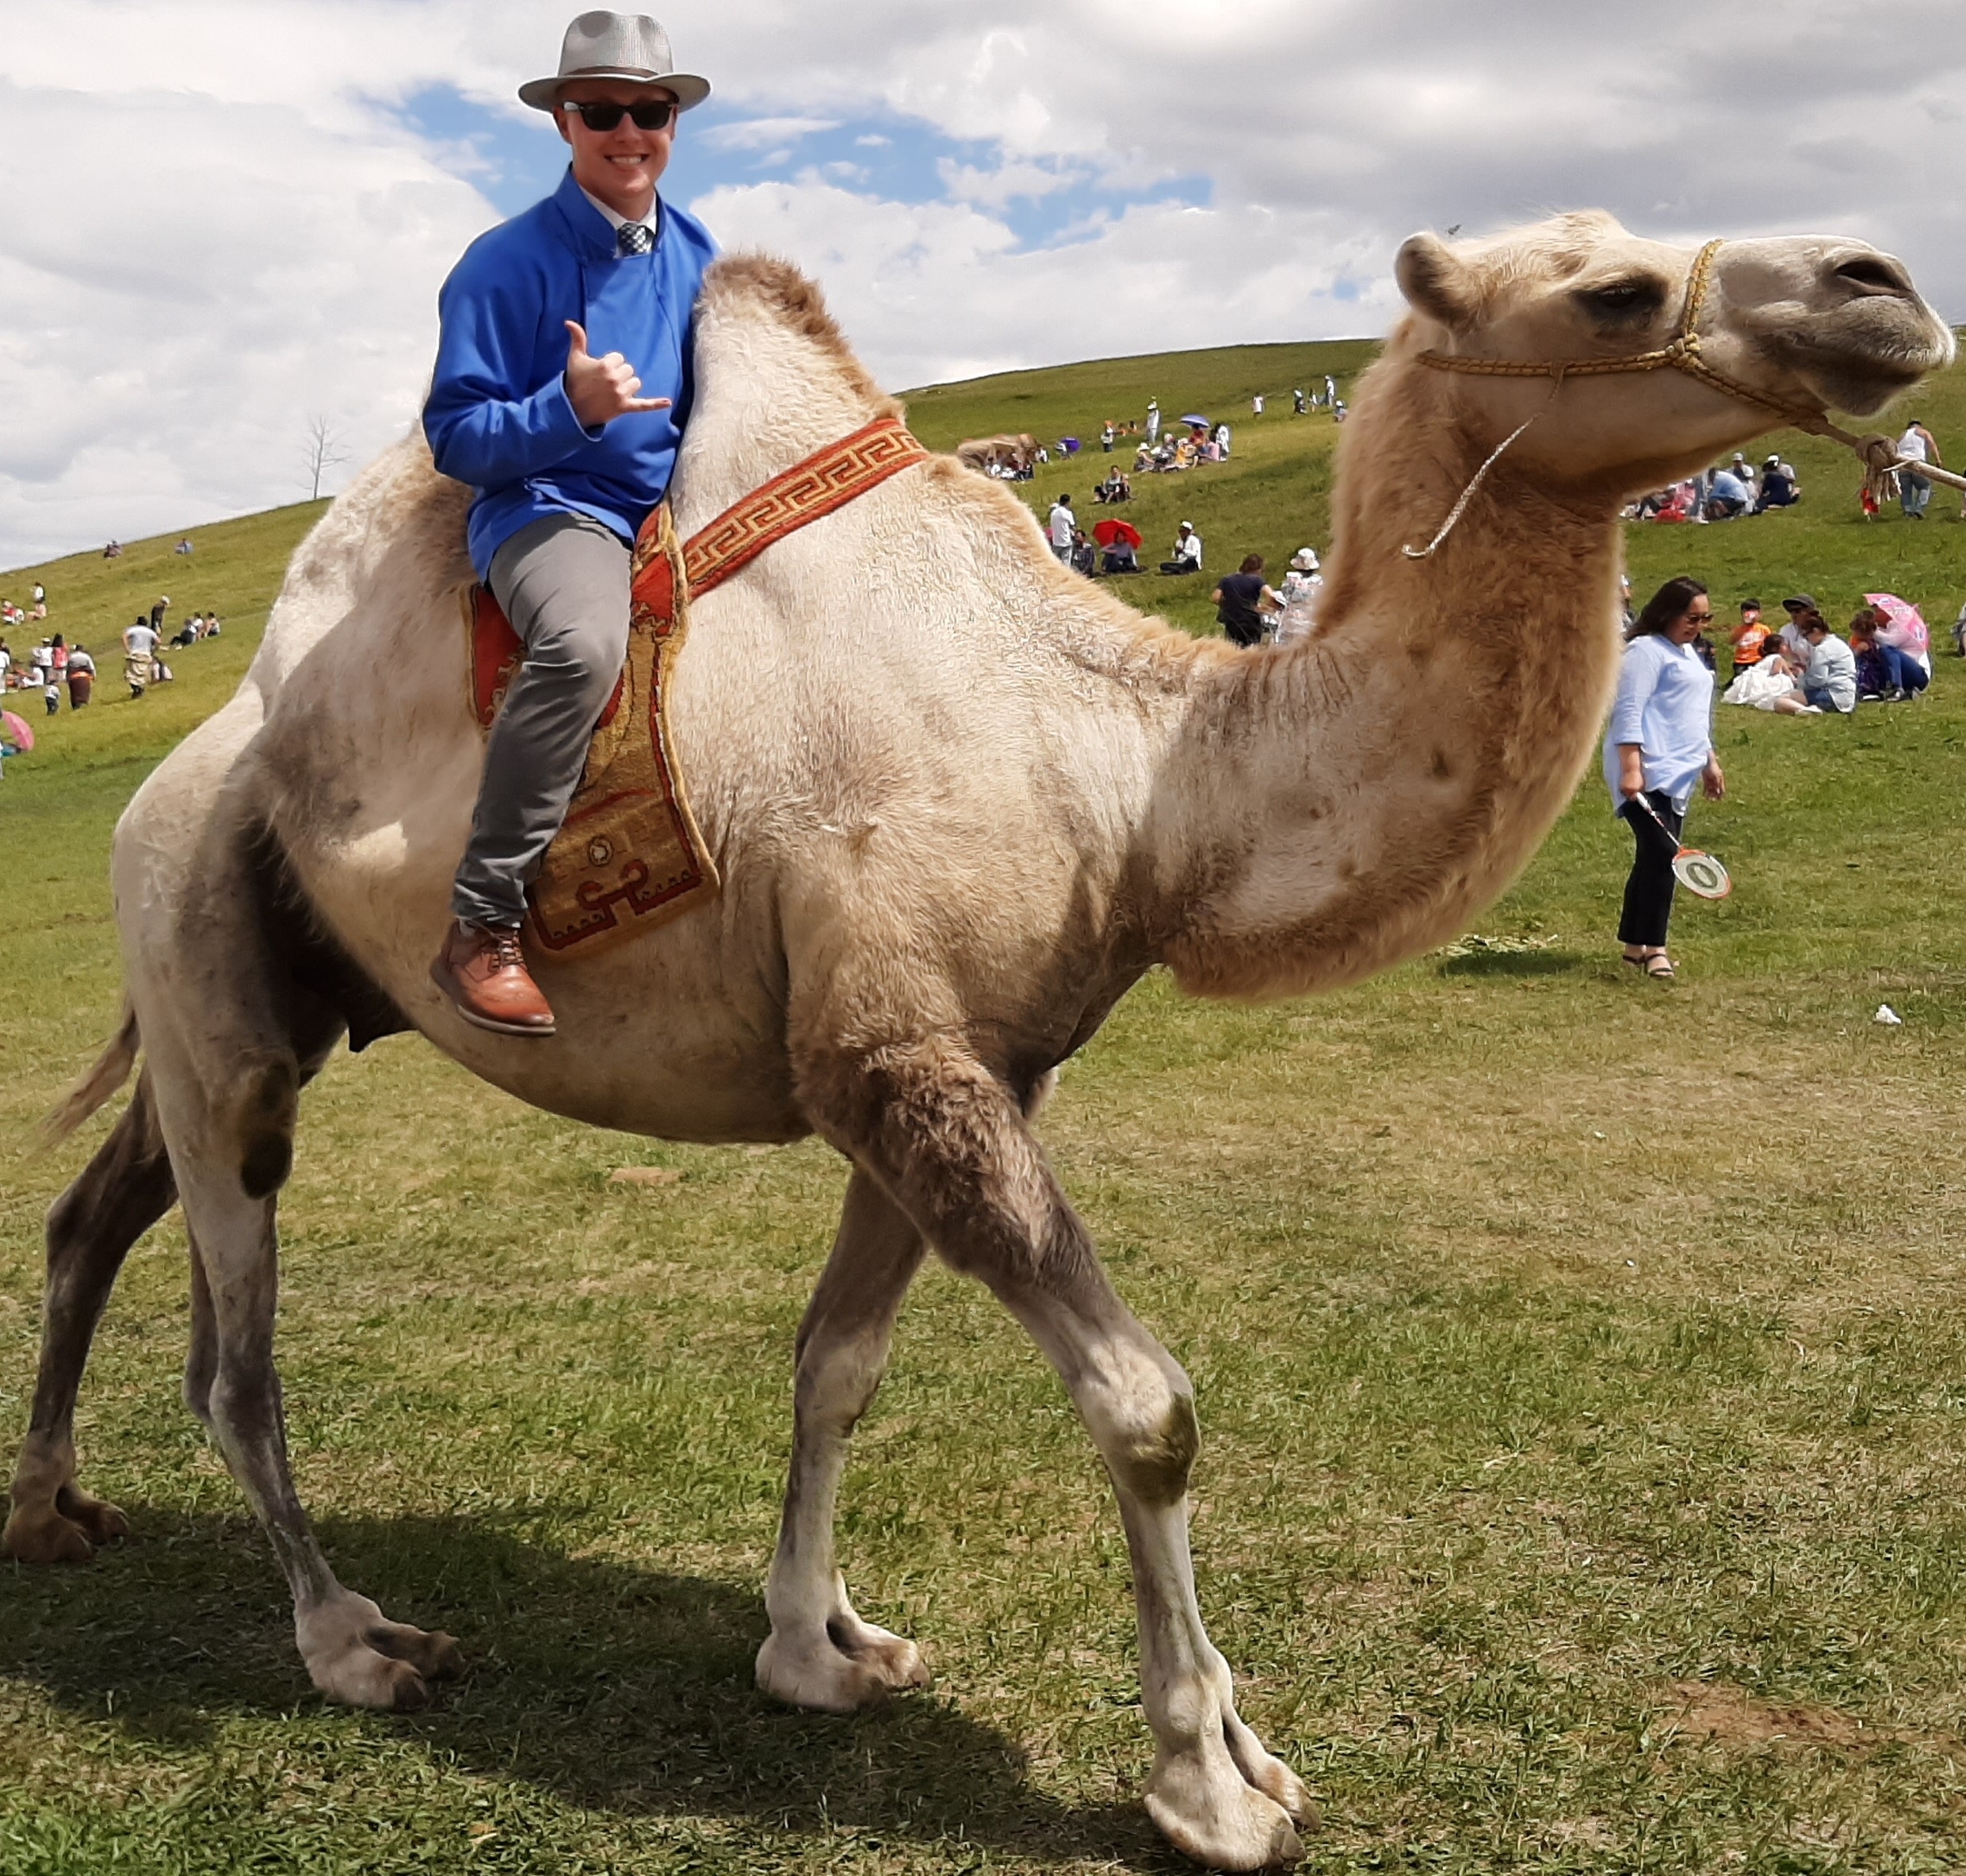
column 652, row 221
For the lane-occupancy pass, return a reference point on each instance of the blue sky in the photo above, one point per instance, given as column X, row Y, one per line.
column 514, row 158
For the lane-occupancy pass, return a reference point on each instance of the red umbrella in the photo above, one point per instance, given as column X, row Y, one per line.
column 1107, row 531
column 17, row 727
column 1903, row 612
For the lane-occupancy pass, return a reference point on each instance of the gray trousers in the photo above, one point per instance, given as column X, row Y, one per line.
column 564, row 584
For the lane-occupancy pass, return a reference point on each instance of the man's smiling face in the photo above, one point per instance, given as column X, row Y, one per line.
column 621, row 166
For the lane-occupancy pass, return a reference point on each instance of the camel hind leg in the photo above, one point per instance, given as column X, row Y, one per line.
column 241, row 1002
column 354, row 1654
column 122, row 1192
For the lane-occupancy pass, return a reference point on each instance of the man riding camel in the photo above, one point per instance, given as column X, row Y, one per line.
column 563, row 383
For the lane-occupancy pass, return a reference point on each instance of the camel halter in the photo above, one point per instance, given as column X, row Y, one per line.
column 1681, row 353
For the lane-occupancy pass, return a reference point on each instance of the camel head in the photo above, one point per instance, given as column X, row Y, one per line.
column 1805, row 324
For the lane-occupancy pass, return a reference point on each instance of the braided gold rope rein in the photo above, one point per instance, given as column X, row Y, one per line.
column 1681, row 353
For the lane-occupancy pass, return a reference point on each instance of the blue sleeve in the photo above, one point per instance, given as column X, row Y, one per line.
column 487, row 424
column 1638, row 676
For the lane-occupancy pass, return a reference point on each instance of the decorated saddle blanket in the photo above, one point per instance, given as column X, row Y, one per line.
column 629, row 856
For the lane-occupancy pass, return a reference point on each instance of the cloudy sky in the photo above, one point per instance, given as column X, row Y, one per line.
column 222, row 218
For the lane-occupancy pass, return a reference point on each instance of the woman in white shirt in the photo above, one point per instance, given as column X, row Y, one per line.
column 1659, row 744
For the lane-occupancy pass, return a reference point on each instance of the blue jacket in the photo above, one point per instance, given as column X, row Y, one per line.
column 497, row 415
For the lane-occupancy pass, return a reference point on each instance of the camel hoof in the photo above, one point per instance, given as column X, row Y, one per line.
column 433, row 1654
column 101, row 1521
column 40, row 1534
column 360, row 1677
column 839, row 1671
column 1283, row 1787
column 358, row 1658
column 1203, row 1806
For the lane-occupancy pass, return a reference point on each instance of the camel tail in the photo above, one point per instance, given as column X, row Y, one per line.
column 112, row 1069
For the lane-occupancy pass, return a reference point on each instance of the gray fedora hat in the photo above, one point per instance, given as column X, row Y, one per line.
column 616, row 45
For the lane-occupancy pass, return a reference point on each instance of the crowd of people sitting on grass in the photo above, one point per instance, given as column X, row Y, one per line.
column 1161, row 447
column 1201, row 443
column 1734, row 490
column 1728, row 492
column 1804, row 668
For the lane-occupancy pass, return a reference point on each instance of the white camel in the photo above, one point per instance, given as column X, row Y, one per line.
column 961, row 802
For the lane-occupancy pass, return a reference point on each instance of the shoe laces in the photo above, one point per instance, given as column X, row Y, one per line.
column 506, row 951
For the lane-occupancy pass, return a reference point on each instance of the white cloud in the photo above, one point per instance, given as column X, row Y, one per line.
column 765, row 133
column 173, row 319
column 894, row 272
column 1008, row 182
column 238, row 236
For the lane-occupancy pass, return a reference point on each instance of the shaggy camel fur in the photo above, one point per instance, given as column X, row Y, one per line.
column 963, row 801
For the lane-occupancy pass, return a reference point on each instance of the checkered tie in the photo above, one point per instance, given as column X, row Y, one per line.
column 633, row 238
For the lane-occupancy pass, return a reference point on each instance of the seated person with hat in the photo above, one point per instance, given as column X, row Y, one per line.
column 1800, row 607
column 563, row 382
column 1187, row 554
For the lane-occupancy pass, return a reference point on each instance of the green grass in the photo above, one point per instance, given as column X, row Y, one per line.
column 1580, row 1364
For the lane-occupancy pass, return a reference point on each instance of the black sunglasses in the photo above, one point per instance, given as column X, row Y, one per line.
column 606, row 116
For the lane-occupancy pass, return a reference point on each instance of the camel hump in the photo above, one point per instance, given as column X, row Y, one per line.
column 750, row 283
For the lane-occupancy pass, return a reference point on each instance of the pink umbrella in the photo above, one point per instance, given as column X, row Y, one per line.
column 1907, row 618
column 18, row 731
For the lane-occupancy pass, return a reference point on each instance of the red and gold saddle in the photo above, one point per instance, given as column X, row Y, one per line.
column 629, row 857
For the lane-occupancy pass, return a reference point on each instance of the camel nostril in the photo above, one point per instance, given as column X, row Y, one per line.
column 1875, row 273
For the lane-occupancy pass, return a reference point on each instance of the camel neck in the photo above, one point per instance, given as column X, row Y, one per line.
column 1350, row 800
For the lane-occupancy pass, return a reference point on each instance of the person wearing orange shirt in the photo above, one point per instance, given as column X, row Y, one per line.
column 1748, row 637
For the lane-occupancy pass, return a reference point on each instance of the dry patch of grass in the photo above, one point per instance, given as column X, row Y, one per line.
column 1723, row 1714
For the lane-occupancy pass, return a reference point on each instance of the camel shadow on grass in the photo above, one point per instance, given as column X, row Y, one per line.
column 1514, row 964
column 613, row 1688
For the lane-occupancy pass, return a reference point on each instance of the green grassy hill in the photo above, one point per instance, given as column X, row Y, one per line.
column 1580, row 1361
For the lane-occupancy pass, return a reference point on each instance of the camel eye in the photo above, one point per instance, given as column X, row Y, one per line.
column 1624, row 300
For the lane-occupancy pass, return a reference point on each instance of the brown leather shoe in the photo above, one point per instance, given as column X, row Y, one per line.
column 483, row 971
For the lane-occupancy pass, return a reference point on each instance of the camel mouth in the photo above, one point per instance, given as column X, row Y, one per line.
column 1866, row 353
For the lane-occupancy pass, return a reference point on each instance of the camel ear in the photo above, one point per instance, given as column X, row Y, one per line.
column 1436, row 281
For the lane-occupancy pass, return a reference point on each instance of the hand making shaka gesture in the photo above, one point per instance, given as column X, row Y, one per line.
column 602, row 389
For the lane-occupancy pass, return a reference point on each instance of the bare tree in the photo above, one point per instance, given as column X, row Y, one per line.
column 323, row 452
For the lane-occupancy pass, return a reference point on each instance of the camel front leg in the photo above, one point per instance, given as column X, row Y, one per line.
column 949, row 1141
column 820, row 1654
